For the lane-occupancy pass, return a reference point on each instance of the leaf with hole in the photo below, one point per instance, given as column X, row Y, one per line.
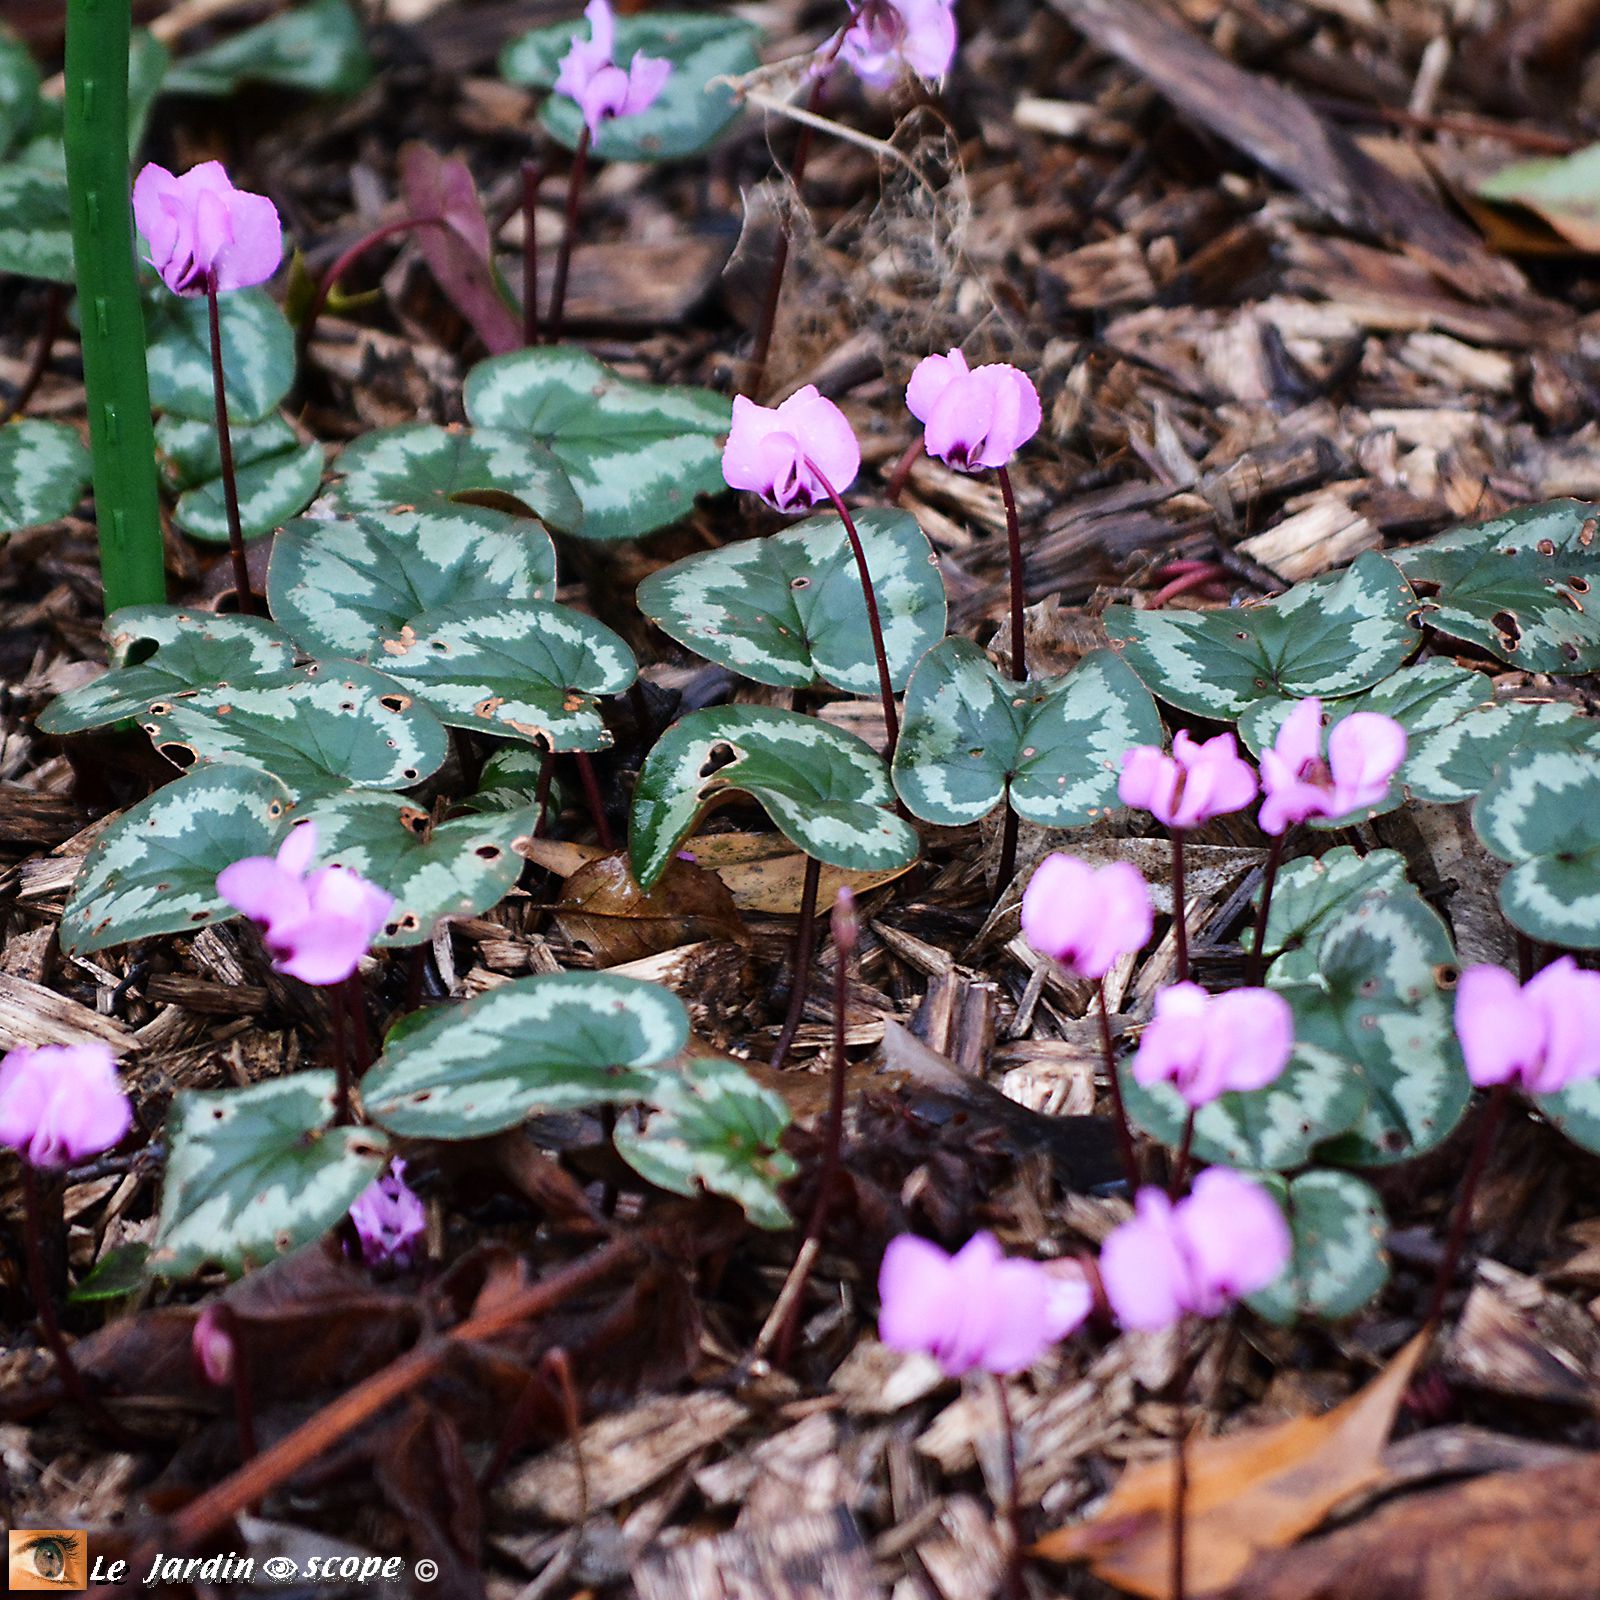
column 164, row 653
column 154, row 870
column 528, row 668
column 553, row 1043
column 276, row 476
column 1459, row 761
column 637, row 453
column 826, row 790
column 255, row 1172
column 342, row 587
column 1376, row 992
column 714, row 1127
column 257, row 354
column 321, row 729
column 788, row 610
column 1339, row 1265
column 35, row 224
column 1055, row 744
column 435, row 871
column 316, row 49
column 1311, row 892
column 1332, row 636
column 688, row 116
column 1518, row 586
column 1542, row 814
column 418, row 467
column 44, row 470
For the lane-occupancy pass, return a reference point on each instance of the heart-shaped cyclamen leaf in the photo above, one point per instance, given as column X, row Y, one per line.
column 714, row 1127
column 321, row 729
column 342, row 587
column 276, row 476
column 1520, row 586
column 1330, row 637
column 637, row 453
column 255, row 1172
column 1459, row 760
column 827, row 790
column 154, row 870
column 554, row 1043
column 1339, row 1227
column 1313, row 891
column 35, row 224
column 257, row 354
column 1576, row 1112
column 164, row 653
column 688, row 115
column 317, row 48
column 1056, row 744
column 44, row 469
column 788, row 610
column 528, row 668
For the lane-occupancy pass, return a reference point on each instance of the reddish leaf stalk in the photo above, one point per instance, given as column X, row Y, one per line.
column 1180, row 1471
column 1012, row 1509
column 1256, row 965
column 1125, row 1146
column 1180, row 1167
column 343, row 264
column 1488, row 1126
column 1180, row 920
column 558, row 288
column 361, row 1040
column 532, row 173
column 230, row 488
column 1009, row 829
column 342, row 1115
column 55, row 302
column 541, row 791
column 804, row 941
column 591, row 793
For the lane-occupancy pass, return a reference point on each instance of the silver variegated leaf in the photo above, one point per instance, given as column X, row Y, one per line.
column 788, row 610
column 554, row 1043
column 1056, row 744
column 528, row 668
column 1458, row 761
column 1314, row 890
column 165, row 653
column 321, row 729
column 827, row 791
column 257, row 354
column 1542, row 814
column 1576, row 1112
column 1332, row 636
column 1520, row 586
column 276, row 476
column 418, row 467
column 255, row 1172
column 343, row 586
column 637, row 453
column 1339, row 1264
column 44, row 470
column 154, row 870
column 714, row 1127
column 510, row 780
column 318, row 48
column 35, row 224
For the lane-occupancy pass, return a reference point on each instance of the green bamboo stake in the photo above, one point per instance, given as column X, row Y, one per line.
column 120, row 435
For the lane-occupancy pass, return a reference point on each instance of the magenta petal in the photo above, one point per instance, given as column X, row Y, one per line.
column 744, row 462
column 1145, row 1277
column 262, row 890
column 913, row 1293
column 1568, row 1000
column 933, row 375
column 1501, row 1035
column 299, row 848
column 320, row 952
column 929, row 45
column 1299, row 738
column 824, row 435
column 256, row 249
column 1147, row 778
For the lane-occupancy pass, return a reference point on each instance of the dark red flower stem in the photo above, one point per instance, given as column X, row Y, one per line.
column 902, row 470
column 1180, row 1167
column 239, row 1383
column 1009, row 829
column 1177, row 1584
column 1011, row 1510
column 1527, row 965
column 541, row 791
column 1488, row 1126
column 805, row 939
column 247, row 603
column 591, row 793
column 558, row 288
column 1180, row 920
column 1256, row 965
column 55, row 302
column 1125, row 1146
column 348, row 259
column 342, row 1114
column 532, row 173
column 356, row 1001
column 891, row 718
column 1019, row 664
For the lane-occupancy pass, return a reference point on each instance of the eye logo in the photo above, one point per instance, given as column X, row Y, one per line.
column 48, row 1558
column 279, row 1567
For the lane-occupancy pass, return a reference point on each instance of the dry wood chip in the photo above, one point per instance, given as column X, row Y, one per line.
column 1516, row 1338
column 797, row 1558
column 30, row 1014
column 875, row 1381
column 965, row 1554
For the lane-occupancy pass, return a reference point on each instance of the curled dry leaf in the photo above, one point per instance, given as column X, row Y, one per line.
column 603, row 909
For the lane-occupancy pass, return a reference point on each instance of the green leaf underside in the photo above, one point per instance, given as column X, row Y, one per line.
column 192, row 650
column 826, row 790
column 418, row 467
column 35, row 224
column 551, row 1043
column 637, row 453
column 1542, row 814
column 686, row 118
column 44, row 470
column 343, row 586
column 788, row 610
column 1312, row 892
column 316, row 48
column 1275, row 1129
column 255, row 1172
column 1373, row 991
column 1459, row 761
column 454, row 869
column 276, row 476
column 1521, row 586
column 1055, row 743
column 1339, row 1265
column 257, row 354
column 154, row 870
column 529, row 669
column 1332, row 636
column 321, row 729
column 714, row 1127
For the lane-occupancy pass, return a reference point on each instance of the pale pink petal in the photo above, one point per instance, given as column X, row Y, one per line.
column 255, row 250
column 913, row 1293
column 156, row 210
column 1148, row 778
column 1171, row 1044
column 1145, row 1276
column 262, row 890
column 299, row 848
column 1236, row 1236
column 602, row 27
column 1053, row 905
column 604, row 95
column 929, row 45
column 1071, row 1299
column 824, row 435
column 932, row 377
column 1255, row 1030
column 744, row 463
column 647, row 77
column 1568, row 1000
column 1017, row 1303
column 1502, row 1035
column 324, row 951
column 1288, row 801
column 1364, row 752
column 62, row 1103
column 1299, row 740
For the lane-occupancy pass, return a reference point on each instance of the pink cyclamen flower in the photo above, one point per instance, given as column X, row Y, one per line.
column 1541, row 1035
column 589, row 73
column 61, row 1103
column 1191, row 786
column 888, row 37
column 317, row 925
column 1365, row 750
column 1086, row 918
column 1228, row 1239
column 784, row 453
column 199, row 226
column 1205, row 1045
column 976, row 1309
column 211, row 1344
column 389, row 1219
column 973, row 416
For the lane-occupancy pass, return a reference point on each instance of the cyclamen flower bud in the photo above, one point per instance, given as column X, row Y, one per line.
column 61, row 1103
column 1543, row 1035
column 778, row 452
column 1191, row 786
column 200, row 227
column 212, row 1345
column 1365, row 750
column 1086, row 919
column 973, row 416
